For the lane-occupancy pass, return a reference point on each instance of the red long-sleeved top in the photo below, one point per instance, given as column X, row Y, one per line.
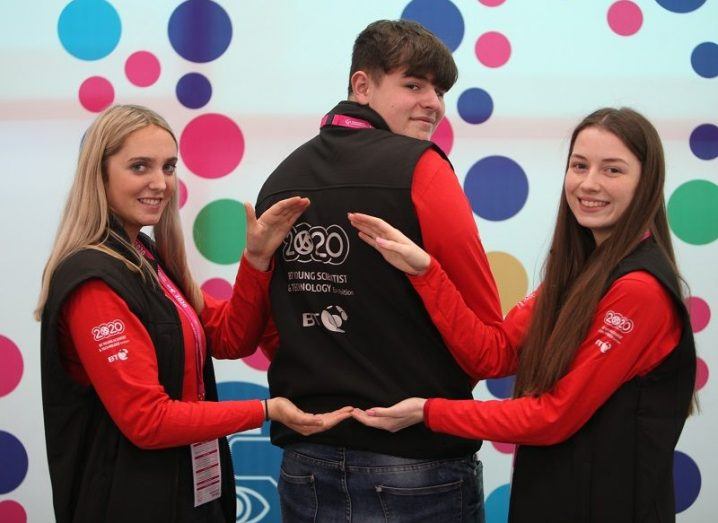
column 450, row 235
column 129, row 388
column 607, row 358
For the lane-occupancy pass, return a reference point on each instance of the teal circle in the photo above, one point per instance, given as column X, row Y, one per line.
column 89, row 29
column 693, row 212
column 497, row 505
column 220, row 231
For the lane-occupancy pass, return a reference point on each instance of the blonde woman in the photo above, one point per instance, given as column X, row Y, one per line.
column 133, row 428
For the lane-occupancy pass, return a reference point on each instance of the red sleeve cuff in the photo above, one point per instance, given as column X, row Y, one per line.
column 424, row 280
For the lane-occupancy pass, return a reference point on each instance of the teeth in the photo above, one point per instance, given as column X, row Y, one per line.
column 588, row 203
column 150, row 201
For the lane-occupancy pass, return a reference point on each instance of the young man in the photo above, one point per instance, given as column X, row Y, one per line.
column 351, row 329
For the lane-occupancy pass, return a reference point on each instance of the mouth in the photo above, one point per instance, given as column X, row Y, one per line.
column 425, row 119
column 153, row 202
column 592, row 204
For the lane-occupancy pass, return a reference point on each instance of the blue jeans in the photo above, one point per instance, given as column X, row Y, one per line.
column 321, row 483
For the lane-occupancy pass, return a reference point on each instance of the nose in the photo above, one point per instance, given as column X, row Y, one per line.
column 433, row 101
column 157, row 181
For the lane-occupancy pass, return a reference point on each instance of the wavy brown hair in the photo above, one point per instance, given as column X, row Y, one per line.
column 576, row 271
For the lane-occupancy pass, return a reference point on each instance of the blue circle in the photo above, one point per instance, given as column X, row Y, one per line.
column 704, row 59
column 497, row 505
column 194, row 90
column 681, row 6
column 497, row 188
column 200, row 30
column 475, row 105
column 441, row 17
column 89, row 29
column 686, row 480
column 501, row 387
column 13, row 462
column 704, row 141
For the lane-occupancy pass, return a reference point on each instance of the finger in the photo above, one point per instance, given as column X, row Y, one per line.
column 368, row 239
column 370, row 421
column 250, row 215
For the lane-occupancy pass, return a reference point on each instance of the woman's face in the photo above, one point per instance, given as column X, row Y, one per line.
column 141, row 178
column 601, row 180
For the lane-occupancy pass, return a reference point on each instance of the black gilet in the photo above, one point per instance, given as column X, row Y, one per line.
column 619, row 466
column 352, row 330
column 97, row 474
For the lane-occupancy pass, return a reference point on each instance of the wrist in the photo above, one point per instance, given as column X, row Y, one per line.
column 260, row 263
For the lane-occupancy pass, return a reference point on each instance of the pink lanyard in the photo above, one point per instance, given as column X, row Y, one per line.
column 200, row 345
column 340, row 120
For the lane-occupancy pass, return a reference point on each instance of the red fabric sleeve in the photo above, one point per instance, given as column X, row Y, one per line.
column 606, row 359
column 450, row 235
column 125, row 378
column 234, row 327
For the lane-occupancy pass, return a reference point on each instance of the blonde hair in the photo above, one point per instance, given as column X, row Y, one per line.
column 85, row 220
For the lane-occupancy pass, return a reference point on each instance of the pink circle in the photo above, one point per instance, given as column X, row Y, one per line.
column 182, row 194
column 444, row 136
column 493, row 49
column 700, row 313
column 624, row 18
column 212, row 145
column 142, row 68
column 11, row 367
column 701, row 374
column 257, row 360
column 491, row 3
column 96, row 93
column 504, row 448
column 218, row 288
column 12, row 512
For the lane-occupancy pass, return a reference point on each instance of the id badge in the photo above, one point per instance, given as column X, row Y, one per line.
column 206, row 472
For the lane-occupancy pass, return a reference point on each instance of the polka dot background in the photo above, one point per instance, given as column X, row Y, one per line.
column 190, row 61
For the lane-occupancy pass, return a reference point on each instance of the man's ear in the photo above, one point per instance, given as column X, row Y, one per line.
column 361, row 87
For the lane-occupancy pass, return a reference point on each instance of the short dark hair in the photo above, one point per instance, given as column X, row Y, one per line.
column 386, row 45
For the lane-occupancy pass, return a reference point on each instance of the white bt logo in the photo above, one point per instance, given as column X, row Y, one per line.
column 332, row 318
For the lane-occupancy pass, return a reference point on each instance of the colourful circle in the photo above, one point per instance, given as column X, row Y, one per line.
column 693, row 212
column 14, row 462
column 218, row 288
column 219, row 231
column 257, row 361
column 700, row 313
column 182, row 194
column 475, row 105
column 444, row 136
column 497, row 505
column 211, row 145
column 11, row 366
column 193, row 90
column 624, row 18
column 142, row 68
column 491, row 3
column 686, row 480
column 493, row 49
column 497, row 188
column 681, row 6
column 511, row 278
column 12, row 512
column 89, row 29
column 504, row 448
column 701, row 374
column 704, row 141
column 200, row 30
column 704, row 59
column 441, row 17
column 501, row 388
column 96, row 94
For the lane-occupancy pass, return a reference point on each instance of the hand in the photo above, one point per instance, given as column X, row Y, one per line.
column 265, row 234
column 394, row 246
column 286, row 413
column 404, row 414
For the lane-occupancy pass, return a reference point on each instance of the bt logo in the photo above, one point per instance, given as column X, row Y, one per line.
column 332, row 318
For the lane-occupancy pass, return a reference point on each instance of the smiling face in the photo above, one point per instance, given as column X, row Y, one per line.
column 411, row 106
column 601, row 180
column 141, row 178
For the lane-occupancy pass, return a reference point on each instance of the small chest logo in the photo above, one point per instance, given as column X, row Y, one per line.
column 618, row 322
column 105, row 330
column 120, row 355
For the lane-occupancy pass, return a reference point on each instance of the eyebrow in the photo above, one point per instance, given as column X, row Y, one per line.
column 580, row 156
column 148, row 159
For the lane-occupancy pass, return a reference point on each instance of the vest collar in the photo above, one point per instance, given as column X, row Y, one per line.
column 357, row 110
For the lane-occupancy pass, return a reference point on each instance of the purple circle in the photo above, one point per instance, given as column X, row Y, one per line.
column 12, row 512
column 501, row 387
column 11, row 366
column 13, row 462
column 704, row 59
column 200, row 30
column 475, row 105
column 681, row 6
column 704, row 141
column 496, row 187
column 194, row 90
column 686, row 480
column 441, row 17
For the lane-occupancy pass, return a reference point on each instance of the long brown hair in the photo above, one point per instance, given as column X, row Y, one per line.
column 577, row 271
column 85, row 220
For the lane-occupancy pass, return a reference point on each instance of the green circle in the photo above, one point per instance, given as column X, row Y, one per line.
column 693, row 212
column 220, row 231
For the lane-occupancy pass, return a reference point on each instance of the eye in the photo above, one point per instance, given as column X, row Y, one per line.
column 169, row 168
column 138, row 167
column 579, row 166
column 614, row 171
column 413, row 86
column 440, row 93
